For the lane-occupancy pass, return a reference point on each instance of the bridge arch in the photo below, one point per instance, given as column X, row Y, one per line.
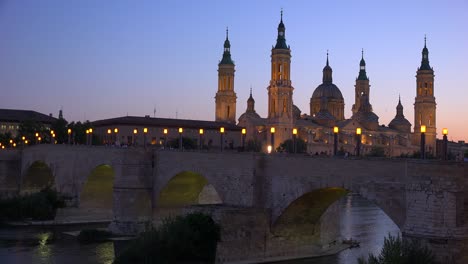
column 96, row 194
column 37, row 176
column 188, row 188
column 302, row 216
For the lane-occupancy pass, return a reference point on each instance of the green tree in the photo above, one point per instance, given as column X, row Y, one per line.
column 28, row 129
column 184, row 239
column 60, row 129
column 79, row 131
column 188, row 143
column 376, row 151
column 399, row 251
column 288, row 146
column 253, row 146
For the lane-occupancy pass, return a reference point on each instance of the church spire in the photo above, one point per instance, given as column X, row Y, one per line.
column 250, row 102
column 425, row 57
column 281, row 39
column 327, row 73
column 227, row 50
column 362, row 68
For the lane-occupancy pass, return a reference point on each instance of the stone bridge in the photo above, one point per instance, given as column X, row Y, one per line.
column 280, row 204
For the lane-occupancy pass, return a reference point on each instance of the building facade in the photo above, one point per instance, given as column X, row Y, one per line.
column 327, row 111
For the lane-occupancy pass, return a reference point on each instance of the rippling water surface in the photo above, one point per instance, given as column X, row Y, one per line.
column 361, row 220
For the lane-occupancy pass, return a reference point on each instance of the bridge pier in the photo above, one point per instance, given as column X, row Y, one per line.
column 132, row 204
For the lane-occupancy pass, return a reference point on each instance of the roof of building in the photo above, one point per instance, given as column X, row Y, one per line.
column 328, row 90
column 14, row 115
column 164, row 122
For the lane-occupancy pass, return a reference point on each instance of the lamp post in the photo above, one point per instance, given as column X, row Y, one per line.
column 165, row 137
column 244, row 132
column 87, row 137
column 180, row 138
column 444, row 148
column 423, row 142
column 109, row 136
column 200, row 139
column 51, row 137
column 145, row 131
column 37, row 135
column 221, row 132
column 272, row 132
column 116, row 132
column 135, row 132
column 91, row 136
column 294, row 140
column 69, row 131
column 358, row 141
column 335, row 140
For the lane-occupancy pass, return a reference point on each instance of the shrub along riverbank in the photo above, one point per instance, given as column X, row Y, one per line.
column 191, row 238
column 36, row 206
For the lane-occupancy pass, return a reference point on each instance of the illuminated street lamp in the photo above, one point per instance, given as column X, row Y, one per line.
column 445, row 133
column 181, row 130
column 69, row 132
column 145, row 131
column 244, row 132
column 51, row 138
column 221, row 132
column 200, row 138
column 109, row 136
column 358, row 141
column 423, row 142
column 335, row 140
column 116, row 132
column 272, row 138
column 87, row 136
column 294, row 140
column 135, row 132
column 165, row 137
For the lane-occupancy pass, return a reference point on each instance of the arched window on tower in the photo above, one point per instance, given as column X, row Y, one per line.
column 280, row 71
column 420, row 118
column 284, row 105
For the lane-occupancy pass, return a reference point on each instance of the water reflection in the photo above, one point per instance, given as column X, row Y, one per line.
column 362, row 221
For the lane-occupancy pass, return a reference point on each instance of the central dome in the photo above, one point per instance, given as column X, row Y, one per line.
column 328, row 90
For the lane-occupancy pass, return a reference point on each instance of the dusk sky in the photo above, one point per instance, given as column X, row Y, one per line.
column 105, row 59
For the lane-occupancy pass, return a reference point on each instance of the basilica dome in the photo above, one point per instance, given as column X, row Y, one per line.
column 328, row 90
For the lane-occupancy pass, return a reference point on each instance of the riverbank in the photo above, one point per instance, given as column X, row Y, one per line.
column 333, row 250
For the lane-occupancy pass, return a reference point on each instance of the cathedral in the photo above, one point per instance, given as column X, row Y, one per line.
column 326, row 115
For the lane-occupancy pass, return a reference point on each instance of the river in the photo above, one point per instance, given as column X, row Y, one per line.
column 361, row 220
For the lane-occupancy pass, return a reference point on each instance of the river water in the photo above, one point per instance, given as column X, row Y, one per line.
column 361, row 220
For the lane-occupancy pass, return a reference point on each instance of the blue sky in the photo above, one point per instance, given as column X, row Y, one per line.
column 103, row 59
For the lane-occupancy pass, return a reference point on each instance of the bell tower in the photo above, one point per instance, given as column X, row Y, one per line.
column 280, row 90
column 425, row 104
column 362, row 86
column 226, row 97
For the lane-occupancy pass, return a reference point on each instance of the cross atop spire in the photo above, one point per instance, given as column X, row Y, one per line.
column 424, row 40
column 362, row 53
column 281, row 14
column 327, row 57
column 227, row 33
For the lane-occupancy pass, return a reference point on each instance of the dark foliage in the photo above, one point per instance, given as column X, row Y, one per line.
column 288, row 146
column 37, row 206
column 187, row 143
column 191, row 238
column 399, row 251
column 253, row 146
column 376, row 151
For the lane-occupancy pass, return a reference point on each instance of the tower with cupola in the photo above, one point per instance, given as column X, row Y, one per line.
column 226, row 97
column 280, row 90
column 425, row 104
column 362, row 86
